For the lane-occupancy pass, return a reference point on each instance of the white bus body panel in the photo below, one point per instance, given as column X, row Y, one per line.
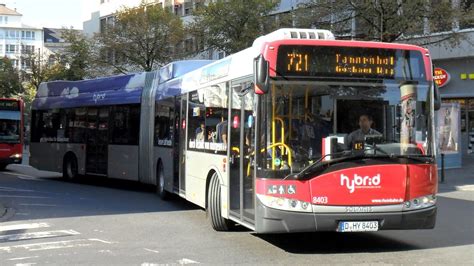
column 198, row 166
column 49, row 156
column 123, row 162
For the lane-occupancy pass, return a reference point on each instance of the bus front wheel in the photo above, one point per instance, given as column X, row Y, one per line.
column 160, row 186
column 214, row 214
column 70, row 169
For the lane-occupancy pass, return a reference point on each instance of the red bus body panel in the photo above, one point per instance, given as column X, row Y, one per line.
column 361, row 186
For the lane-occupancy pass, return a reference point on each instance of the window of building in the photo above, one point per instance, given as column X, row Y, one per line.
column 11, row 48
column 177, row 10
column 1, row 48
column 13, row 34
column 27, row 49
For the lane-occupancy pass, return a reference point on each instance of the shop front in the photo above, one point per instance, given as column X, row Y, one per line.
column 455, row 79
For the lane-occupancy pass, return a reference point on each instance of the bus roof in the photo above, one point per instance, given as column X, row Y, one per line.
column 124, row 89
column 114, row 90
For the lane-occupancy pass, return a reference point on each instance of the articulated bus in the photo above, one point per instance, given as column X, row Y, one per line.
column 262, row 138
column 11, row 131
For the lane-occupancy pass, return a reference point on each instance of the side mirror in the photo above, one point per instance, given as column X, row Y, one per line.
column 437, row 97
column 260, row 70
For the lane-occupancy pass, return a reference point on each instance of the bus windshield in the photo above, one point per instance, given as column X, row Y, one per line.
column 9, row 131
column 308, row 122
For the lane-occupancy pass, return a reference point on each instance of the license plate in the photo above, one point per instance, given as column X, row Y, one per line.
column 361, row 226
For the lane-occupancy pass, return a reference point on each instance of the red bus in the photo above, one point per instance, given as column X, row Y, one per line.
column 11, row 133
column 302, row 132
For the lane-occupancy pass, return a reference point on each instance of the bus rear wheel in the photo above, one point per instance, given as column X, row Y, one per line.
column 214, row 213
column 160, row 186
column 70, row 169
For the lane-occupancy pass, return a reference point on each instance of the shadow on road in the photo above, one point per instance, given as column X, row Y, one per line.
column 332, row 242
column 87, row 196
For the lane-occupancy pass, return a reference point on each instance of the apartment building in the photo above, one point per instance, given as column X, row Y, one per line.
column 16, row 38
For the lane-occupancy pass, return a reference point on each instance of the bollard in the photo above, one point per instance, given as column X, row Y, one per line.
column 442, row 167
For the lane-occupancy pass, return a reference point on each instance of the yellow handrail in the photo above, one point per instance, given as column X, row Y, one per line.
column 282, row 131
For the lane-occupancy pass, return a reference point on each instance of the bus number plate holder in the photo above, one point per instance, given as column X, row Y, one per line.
column 358, row 226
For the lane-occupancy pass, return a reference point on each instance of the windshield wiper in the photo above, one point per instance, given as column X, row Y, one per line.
column 318, row 162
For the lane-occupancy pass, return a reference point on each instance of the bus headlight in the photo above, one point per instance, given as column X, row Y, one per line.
column 419, row 203
column 16, row 156
column 285, row 204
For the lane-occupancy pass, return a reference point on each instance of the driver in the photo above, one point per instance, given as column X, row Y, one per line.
column 365, row 124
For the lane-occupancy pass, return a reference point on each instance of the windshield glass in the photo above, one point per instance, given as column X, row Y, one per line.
column 9, row 131
column 308, row 122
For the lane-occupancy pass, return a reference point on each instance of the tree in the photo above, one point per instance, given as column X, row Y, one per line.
column 77, row 57
column 382, row 20
column 233, row 25
column 9, row 79
column 141, row 38
column 39, row 69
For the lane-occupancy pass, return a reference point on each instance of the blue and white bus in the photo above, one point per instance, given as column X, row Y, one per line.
column 106, row 126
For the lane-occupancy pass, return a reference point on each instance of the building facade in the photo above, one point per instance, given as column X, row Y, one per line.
column 17, row 39
column 458, row 87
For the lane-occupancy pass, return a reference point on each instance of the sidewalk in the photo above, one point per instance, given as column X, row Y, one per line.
column 459, row 178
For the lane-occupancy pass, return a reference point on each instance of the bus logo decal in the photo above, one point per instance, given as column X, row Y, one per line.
column 360, row 182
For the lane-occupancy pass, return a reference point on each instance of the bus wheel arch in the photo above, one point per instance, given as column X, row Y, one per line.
column 160, row 181
column 213, row 203
column 70, row 166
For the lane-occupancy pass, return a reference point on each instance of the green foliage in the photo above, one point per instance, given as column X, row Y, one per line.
column 76, row 58
column 232, row 25
column 9, row 79
column 141, row 38
column 382, row 20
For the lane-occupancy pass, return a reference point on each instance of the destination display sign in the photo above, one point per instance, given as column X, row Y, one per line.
column 9, row 105
column 352, row 62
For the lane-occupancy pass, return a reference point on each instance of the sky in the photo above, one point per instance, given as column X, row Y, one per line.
column 49, row 13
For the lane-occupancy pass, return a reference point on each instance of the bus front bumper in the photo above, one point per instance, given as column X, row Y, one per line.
column 5, row 161
column 269, row 220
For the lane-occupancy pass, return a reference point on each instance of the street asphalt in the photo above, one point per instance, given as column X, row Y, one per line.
column 457, row 179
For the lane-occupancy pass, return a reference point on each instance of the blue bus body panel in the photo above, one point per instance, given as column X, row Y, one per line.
column 114, row 90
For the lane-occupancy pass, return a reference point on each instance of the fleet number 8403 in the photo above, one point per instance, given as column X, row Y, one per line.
column 320, row 200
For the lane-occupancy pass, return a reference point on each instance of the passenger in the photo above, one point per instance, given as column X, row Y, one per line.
column 200, row 131
column 365, row 124
column 221, row 130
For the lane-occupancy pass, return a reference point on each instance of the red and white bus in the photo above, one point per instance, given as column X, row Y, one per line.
column 262, row 137
column 275, row 120
column 11, row 133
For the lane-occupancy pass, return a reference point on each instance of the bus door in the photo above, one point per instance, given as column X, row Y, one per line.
column 97, row 140
column 183, row 101
column 242, row 135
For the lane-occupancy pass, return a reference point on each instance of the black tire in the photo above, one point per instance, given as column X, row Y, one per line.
column 70, row 168
column 214, row 214
column 160, row 183
column 2, row 167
